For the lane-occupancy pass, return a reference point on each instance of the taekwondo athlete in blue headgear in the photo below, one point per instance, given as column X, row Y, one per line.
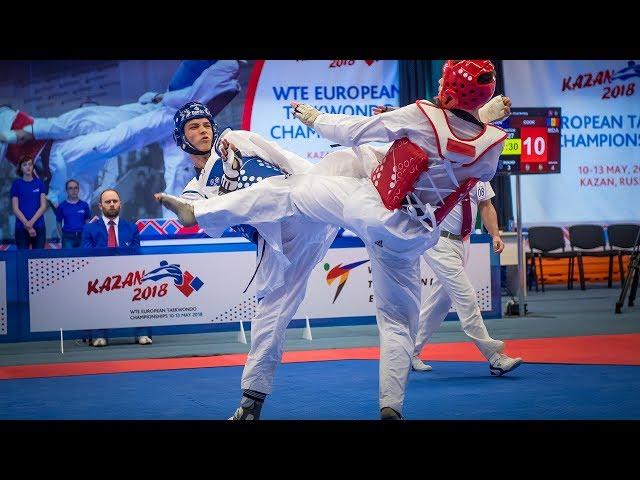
column 287, row 250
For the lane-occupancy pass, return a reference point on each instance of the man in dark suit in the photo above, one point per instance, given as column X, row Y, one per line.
column 111, row 231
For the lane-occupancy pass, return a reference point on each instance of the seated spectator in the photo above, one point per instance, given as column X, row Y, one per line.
column 112, row 232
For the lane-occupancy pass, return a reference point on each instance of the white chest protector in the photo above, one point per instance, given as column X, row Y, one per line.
column 461, row 157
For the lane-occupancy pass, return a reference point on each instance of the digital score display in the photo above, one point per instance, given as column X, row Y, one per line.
column 533, row 142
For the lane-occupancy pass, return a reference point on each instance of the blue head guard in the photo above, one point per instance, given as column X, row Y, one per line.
column 188, row 112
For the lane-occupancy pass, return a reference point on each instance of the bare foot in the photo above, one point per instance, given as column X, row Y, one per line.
column 180, row 207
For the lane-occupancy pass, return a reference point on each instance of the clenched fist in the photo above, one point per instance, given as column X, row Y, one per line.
column 498, row 108
column 231, row 165
column 305, row 113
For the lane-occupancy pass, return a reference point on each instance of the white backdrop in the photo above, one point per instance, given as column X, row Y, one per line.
column 600, row 146
column 351, row 87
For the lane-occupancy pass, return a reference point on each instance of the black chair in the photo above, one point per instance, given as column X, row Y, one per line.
column 588, row 237
column 622, row 238
column 545, row 240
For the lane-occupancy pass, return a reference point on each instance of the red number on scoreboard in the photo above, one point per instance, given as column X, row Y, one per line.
column 534, row 145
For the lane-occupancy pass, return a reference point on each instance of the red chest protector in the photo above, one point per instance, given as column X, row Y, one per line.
column 396, row 176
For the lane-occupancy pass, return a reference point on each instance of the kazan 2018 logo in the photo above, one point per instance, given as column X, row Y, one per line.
column 185, row 281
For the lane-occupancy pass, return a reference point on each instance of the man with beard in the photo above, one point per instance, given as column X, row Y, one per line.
column 111, row 231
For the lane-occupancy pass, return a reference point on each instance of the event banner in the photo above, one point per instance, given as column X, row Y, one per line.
column 193, row 288
column 600, row 145
column 140, row 290
column 341, row 285
column 3, row 298
column 351, row 87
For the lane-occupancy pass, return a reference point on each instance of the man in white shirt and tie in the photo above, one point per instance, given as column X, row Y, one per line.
column 452, row 286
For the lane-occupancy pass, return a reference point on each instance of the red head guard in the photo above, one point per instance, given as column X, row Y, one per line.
column 467, row 84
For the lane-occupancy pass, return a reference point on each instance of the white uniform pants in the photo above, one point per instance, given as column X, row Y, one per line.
column 447, row 259
column 84, row 120
column 68, row 158
column 394, row 243
column 308, row 243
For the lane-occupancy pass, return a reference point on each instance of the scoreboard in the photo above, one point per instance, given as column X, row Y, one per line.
column 533, row 142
